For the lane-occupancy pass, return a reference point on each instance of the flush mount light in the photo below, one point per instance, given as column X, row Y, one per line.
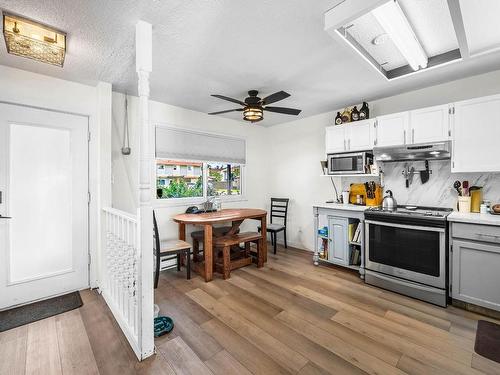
column 253, row 114
column 27, row 38
column 380, row 39
column 394, row 22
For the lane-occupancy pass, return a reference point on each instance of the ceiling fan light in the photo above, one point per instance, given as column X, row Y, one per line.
column 392, row 19
column 253, row 114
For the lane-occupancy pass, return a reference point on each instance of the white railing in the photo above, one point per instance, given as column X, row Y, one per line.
column 121, row 269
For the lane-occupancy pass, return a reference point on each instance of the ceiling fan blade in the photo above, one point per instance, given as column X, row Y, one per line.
column 286, row 111
column 276, row 97
column 229, row 99
column 226, row 111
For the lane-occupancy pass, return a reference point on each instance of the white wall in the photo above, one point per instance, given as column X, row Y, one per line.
column 36, row 90
column 125, row 175
column 298, row 146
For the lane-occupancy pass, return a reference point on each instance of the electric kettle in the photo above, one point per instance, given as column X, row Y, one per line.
column 389, row 203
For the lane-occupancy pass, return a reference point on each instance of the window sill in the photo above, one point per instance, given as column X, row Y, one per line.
column 163, row 203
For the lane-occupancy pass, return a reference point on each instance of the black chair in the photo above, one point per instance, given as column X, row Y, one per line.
column 169, row 249
column 279, row 209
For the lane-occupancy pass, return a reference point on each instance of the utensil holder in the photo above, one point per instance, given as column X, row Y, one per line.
column 464, row 204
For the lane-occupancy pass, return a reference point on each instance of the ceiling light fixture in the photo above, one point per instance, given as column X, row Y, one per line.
column 394, row 22
column 253, row 114
column 34, row 40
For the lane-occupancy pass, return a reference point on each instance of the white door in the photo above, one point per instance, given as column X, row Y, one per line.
column 335, row 139
column 392, row 129
column 338, row 241
column 44, row 185
column 476, row 135
column 360, row 135
column 430, row 124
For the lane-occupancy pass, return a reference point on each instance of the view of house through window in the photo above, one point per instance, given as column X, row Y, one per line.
column 179, row 179
column 185, row 179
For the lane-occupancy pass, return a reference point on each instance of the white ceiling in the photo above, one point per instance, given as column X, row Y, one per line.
column 222, row 47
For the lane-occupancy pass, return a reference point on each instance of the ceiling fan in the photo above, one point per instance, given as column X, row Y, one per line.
column 254, row 107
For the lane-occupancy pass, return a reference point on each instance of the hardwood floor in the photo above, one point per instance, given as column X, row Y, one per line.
column 287, row 318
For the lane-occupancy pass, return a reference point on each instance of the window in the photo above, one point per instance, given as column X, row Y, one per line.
column 186, row 179
column 223, row 179
column 178, row 179
column 192, row 166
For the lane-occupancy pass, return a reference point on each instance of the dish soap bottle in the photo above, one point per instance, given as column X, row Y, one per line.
column 338, row 119
column 355, row 114
column 346, row 115
column 364, row 112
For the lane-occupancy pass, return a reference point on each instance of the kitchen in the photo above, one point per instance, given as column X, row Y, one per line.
column 432, row 232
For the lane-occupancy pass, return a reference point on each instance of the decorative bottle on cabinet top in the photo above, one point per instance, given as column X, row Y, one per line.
column 346, row 115
column 338, row 119
column 364, row 112
column 355, row 114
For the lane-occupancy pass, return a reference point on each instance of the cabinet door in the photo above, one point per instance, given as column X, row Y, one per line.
column 339, row 248
column 475, row 273
column 476, row 135
column 430, row 124
column 335, row 139
column 392, row 129
column 360, row 135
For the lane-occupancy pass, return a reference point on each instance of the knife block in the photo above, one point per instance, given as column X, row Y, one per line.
column 377, row 201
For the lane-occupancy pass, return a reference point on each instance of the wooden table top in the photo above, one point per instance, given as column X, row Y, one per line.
column 220, row 216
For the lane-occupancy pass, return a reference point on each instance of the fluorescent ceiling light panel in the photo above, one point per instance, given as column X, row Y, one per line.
column 392, row 19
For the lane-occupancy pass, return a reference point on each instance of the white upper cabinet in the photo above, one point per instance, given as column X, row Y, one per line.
column 360, row 135
column 392, row 129
column 335, row 139
column 430, row 124
column 353, row 136
column 476, row 135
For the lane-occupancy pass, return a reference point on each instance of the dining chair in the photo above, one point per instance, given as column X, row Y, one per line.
column 168, row 250
column 279, row 210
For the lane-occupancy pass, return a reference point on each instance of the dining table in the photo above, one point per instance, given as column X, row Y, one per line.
column 207, row 220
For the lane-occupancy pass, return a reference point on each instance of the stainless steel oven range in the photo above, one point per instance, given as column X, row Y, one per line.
column 406, row 251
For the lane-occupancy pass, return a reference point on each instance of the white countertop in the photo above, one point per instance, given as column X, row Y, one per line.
column 474, row 218
column 340, row 206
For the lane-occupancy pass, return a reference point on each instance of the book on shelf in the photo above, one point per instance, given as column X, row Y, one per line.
column 352, row 230
column 357, row 233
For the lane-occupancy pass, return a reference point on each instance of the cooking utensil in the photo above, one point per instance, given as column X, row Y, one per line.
column 389, row 203
column 412, row 172
column 457, row 185
column 465, row 188
column 424, row 174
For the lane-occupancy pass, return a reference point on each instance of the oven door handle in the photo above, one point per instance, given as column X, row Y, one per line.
column 403, row 226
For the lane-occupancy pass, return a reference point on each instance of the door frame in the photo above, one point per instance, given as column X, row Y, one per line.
column 94, row 177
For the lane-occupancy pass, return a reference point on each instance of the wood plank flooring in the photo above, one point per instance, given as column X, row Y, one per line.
column 287, row 318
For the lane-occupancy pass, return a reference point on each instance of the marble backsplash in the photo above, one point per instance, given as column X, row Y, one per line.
column 438, row 191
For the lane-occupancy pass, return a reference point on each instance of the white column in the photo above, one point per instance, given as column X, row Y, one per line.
column 143, row 39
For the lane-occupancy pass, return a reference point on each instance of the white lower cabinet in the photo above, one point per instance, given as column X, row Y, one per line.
column 338, row 251
column 476, row 270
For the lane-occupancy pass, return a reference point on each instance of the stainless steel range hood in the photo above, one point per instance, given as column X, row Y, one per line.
column 423, row 151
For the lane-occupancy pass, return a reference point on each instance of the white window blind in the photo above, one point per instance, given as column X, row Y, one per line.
column 174, row 143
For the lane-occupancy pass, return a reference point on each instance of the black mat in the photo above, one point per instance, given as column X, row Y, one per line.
column 19, row 316
column 488, row 340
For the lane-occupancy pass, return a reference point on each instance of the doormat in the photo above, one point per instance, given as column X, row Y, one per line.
column 488, row 340
column 26, row 314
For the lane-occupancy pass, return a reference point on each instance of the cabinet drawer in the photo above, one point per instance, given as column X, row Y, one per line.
column 475, row 232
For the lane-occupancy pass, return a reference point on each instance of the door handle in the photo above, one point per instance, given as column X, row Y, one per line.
column 412, row 135
column 349, row 144
column 404, row 136
column 5, row 217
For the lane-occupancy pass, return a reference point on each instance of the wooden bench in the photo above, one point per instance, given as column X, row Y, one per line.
column 239, row 258
column 198, row 237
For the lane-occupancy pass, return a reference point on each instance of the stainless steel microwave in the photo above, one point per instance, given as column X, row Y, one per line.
column 350, row 163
